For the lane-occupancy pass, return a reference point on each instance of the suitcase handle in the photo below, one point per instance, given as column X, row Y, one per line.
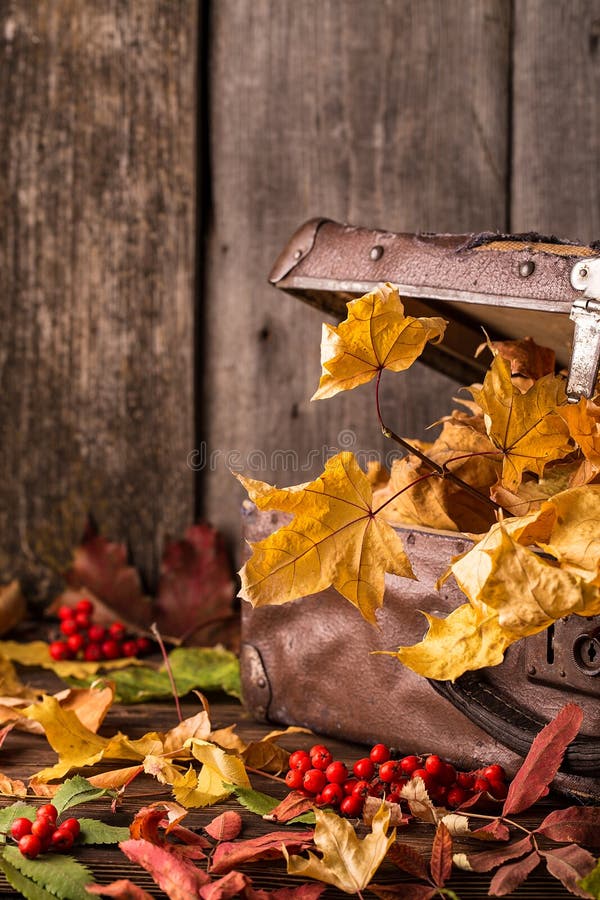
column 510, row 725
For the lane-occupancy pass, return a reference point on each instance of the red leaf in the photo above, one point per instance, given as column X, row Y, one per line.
column 233, row 884
column 407, row 858
column 543, row 760
column 508, row 878
column 145, row 825
column 293, row 804
column 577, row 824
column 225, row 827
column 196, row 589
column 304, row 892
column 493, row 831
column 101, row 566
column 230, row 855
column 570, row 864
column 489, row 859
column 407, row 891
column 441, row 855
column 178, row 878
column 123, row 889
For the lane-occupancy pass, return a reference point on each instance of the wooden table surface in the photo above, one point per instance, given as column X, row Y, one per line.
column 24, row 754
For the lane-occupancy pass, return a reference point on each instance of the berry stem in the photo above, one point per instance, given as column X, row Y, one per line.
column 265, row 775
column 160, row 642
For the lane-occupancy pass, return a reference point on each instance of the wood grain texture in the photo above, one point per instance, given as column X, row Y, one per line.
column 97, row 190
column 389, row 114
column 556, row 118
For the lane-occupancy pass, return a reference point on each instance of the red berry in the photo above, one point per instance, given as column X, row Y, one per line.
column 390, row 771
column 497, row 789
column 393, row 797
column 72, row 825
column 361, row 789
column 300, row 759
column 320, row 757
column 93, row 653
column 117, row 631
column 143, row 645
column 62, row 839
column 83, row 620
column 293, row 779
column 350, row 785
column 84, row 606
column 96, row 633
column 20, row 827
column 69, row 627
column 481, row 784
column 438, row 792
column 48, row 811
column 494, row 773
column 43, row 829
column 332, row 794
column 130, row 648
column 111, row 649
column 364, row 768
column 434, row 765
column 447, row 776
column 314, row 781
column 377, row 789
column 396, row 786
column 30, row 846
column 59, row 650
column 379, row 753
column 336, row 772
column 456, row 796
column 410, row 763
column 65, row 612
column 426, row 777
column 351, row 805
column 465, row 780
column 76, row 642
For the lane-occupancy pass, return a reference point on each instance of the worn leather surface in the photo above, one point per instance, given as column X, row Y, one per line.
column 308, row 663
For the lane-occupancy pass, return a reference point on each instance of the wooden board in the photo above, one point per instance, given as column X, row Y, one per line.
column 556, row 123
column 97, row 189
column 389, row 115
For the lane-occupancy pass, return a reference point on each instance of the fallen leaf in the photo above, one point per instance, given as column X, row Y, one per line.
column 576, row 824
column 569, row 865
column 225, row 827
column 266, row 754
column 419, row 802
column 407, row 891
column 123, row 889
column 36, row 653
column 583, row 422
column 526, row 428
column 486, row 860
column 336, row 538
column 12, row 787
column 94, row 831
column 508, row 878
column 263, row 805
column 230, row 854
column 74, row 792
column 347, row 862
column 90, row 705
column 219, row 773
column 196, row 588
column 408, row 858
column 492, row 831
column 59, row 875
column 527, row 359
column 294, row 804
column 441, row 855
column 233, row 884
column 543, row 760
column 13, row 607
column 178, row 877
column 591, row 882
column 373, row 804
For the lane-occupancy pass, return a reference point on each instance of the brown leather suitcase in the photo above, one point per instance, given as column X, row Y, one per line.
column 305, row 662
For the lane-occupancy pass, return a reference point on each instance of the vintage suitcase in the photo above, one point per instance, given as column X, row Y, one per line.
column 307, row 662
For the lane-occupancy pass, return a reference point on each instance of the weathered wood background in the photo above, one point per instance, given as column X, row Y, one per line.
column 154, row 157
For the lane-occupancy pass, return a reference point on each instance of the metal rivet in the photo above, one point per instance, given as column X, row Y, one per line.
column 261, row 683
column 526, row 268
column 584, row 272
column 376, row 252
column 297, row 254
column 531, row 670
column 562, row 673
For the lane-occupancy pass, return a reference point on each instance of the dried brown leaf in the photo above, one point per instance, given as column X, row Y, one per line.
column 576, row 824
column 408, row 858
column 441, row 855
column 508, row 878
column 569, row 865
column 229, row 855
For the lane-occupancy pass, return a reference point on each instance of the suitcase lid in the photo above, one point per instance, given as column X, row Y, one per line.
column 513, row 285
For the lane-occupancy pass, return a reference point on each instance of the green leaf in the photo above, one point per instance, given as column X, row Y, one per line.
column 15, row 811
column 61, row 876
column 95, row 832
column 262, row 804
column 194, row 668
column 591, row 882
column 25, row 886
column 75, row 791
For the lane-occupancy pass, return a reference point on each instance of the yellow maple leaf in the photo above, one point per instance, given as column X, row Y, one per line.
column 583, row 421
column 347, row 862
column 336, row 538
column 219, row 771
column 376, row 335
column 526, row 428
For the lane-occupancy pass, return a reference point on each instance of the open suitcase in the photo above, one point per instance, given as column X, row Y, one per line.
column 307, row 669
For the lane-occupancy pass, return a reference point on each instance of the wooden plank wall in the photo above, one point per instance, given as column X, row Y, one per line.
column 405, row 114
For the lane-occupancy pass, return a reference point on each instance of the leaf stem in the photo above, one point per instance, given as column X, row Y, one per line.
column 264, row 774
column 160, row 642
column 470, row 815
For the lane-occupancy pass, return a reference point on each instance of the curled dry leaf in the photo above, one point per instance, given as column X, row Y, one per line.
column 372, row 806
column 13, row 607
column 225, row 827
column 376, row 335
column 335, row 538
column 123, row 889
column 294, row 804
column 266, row 754
column 419, row 802
column 234, row 884
column 526, row 358
column 228, row 855
column 441, row 855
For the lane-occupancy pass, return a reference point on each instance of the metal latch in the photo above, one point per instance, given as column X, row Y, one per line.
column 585, row 356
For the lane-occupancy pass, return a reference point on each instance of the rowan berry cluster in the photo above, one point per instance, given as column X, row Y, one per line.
column 84, row 639
column 378, row 775
column 44, row 833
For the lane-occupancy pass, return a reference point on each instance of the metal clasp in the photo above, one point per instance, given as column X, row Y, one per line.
column 585, row 313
